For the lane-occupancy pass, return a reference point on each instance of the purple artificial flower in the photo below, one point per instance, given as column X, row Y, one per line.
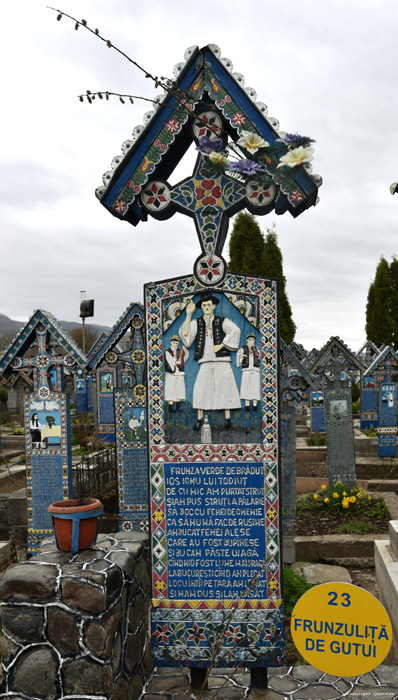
column 295, row 140
column 207, row 145
column 246, row 167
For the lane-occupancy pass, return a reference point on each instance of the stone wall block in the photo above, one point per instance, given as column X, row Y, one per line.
column 62, row 631
column 131, row 537
column 7, row 649
column 117, row 656
column 142, row 635
column 29, row 581
column 99, row 634
column 86, row 633
column 125, row 560
column 132, row 653
column 142, row 574
column 36, row 673
column 121, row 689
column 148, row 663
column 136, row 686
column 86, row 677
column 90, row 555
column 114, row 584
column 80, row 593
column 23, row 623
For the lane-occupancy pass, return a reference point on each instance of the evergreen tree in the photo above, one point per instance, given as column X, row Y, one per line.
column 246, row 246
column 250, row 254
column 394, row 300
column 380, row 326
column 272, row 266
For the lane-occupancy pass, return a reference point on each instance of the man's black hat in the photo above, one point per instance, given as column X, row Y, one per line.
column 206, row 296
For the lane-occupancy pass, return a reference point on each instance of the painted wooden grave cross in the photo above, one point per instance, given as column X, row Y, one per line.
column 295, row 380
column 129, row 417
column 42, row 362
column 384, row 370
column 334, row 360
column 368, row 403
column 47, row 417
column 212, row 352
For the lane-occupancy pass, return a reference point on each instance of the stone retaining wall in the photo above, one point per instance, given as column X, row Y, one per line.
column 77, row 625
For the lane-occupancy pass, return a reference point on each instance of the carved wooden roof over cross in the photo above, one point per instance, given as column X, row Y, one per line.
column 385, row 364
column 207, row 100
column 44, row 332
column 334, row 357
column 292, row 385
column 107, row 351
column 367, row 352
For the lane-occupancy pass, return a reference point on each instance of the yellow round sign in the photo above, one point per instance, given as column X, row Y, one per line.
column 341, row 629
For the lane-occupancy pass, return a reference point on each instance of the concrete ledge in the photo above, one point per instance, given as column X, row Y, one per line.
column 385, row 484
column 330, row 548
column 393, row 530
column 387, row 580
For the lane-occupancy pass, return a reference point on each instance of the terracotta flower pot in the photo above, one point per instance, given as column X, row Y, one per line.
column 75, row 526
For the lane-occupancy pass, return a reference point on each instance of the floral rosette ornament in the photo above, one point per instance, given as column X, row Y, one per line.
column 252, row 157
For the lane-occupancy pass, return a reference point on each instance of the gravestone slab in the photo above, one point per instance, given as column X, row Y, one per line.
column 214, row 505
column 340, row 436
column 334, row 364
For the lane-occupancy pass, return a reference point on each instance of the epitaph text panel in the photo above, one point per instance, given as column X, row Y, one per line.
column 215, row 528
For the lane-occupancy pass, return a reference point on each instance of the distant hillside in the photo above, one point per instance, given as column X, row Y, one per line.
column 7, row 325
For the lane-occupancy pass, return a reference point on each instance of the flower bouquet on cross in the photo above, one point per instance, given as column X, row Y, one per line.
column 252, row 157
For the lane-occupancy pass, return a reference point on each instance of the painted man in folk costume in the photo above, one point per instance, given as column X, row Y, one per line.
column 174, row 363
column 215, row 338
column 249, row 358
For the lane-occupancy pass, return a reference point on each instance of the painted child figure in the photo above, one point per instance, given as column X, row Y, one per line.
column 174, row 362
column 215, row 337
column 249, row 358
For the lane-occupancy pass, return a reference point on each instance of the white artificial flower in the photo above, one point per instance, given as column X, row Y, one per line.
column 252, row 142
column 297, row 156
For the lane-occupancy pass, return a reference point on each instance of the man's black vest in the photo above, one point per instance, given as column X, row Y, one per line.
column 218, row 337
column 245, row 358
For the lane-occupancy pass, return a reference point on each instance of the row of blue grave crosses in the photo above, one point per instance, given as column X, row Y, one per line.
column 213, row 422
column 334, row 364
column 382, row 373
column 46, row 416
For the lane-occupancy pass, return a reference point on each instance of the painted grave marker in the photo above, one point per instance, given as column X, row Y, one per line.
column 384, row 369
column 293, row 388
column 334, row 362
column 212, row 349
column 46, row 417
column 130, row 414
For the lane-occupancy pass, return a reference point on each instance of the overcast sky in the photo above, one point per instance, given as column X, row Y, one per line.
column 325, row 69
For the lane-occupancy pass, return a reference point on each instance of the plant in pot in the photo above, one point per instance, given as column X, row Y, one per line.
column 76, row 523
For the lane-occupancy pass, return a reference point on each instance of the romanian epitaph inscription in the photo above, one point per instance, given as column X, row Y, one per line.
column 215, row 528
column 132, row 459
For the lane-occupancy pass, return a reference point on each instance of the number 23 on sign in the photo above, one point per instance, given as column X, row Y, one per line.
column 341, row 629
